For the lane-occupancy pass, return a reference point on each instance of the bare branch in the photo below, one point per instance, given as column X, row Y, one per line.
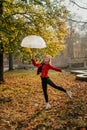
column 77, row 21
column 78, row 5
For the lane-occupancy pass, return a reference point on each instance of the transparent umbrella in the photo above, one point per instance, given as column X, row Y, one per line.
column 33, row 41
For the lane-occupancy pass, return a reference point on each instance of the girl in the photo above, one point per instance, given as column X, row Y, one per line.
column 43, row 69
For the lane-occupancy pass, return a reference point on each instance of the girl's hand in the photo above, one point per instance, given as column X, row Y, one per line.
column 63, row 70
column 33, row 56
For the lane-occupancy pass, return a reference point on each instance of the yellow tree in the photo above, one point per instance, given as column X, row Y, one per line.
column 20, row 19
column 48, row 21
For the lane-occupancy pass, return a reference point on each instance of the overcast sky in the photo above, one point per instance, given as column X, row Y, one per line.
column 76, row 10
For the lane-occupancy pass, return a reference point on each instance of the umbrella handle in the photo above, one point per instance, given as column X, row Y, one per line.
column 32, row 53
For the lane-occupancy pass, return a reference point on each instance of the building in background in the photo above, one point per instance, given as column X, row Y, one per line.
column 74, row 56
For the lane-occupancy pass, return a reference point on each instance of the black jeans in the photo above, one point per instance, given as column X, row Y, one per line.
column 46, row 81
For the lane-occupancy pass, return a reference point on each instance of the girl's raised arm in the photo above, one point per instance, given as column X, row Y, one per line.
column 34, row 62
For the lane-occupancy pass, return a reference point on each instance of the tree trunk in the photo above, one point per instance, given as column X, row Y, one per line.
column 10, row 61
column 1, row 47
column 1, row 68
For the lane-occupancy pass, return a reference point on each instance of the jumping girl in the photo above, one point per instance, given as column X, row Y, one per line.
column 43, row 69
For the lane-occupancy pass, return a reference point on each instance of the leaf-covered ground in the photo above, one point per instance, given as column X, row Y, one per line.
column 22, row 105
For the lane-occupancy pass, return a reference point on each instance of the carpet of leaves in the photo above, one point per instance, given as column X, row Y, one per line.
column 22, row 105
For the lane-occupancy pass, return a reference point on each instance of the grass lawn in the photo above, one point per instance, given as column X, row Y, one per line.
column 22, row 105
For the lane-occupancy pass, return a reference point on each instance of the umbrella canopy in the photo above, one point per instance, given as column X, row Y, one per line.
column 33, row 41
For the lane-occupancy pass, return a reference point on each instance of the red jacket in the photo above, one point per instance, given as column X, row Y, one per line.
column 45, row 68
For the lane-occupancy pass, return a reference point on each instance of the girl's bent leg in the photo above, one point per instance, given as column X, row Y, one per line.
column 55, row 86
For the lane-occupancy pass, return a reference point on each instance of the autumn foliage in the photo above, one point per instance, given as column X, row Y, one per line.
column 20, row 19
column 22, row 105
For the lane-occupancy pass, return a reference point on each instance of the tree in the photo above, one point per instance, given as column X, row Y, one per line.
column 1, row 46
column 10, row 61
column 51, row 23
column 36, row 18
